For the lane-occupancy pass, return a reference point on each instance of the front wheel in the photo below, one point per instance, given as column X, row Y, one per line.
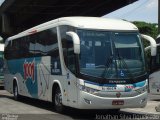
column 15, row 92
column 58, row 100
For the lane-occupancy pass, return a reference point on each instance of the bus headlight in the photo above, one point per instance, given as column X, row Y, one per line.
column 142, row 89
column 88, row 89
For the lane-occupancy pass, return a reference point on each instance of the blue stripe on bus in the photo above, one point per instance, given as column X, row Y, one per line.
column 138, row 84
column 17, row 66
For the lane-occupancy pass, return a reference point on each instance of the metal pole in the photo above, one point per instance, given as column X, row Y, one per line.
column 158, row 16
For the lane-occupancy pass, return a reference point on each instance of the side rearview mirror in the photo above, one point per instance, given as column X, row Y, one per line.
column 76, row 41
column 153, row 45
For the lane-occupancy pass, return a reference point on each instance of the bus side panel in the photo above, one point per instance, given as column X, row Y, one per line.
column 33, row 76
column 24, row 71
column 43, row 77
column 10, row 75
column 154, row 82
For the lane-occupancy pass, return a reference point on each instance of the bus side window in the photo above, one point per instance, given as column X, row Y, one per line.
column 52, row 50
column 46, row 43
column 52, row 43
column 7, row 52
column 24, row 47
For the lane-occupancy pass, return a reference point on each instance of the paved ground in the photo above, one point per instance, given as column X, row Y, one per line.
column 8, row 105
column 149, row 109
column 30, row 109
column 153, row 101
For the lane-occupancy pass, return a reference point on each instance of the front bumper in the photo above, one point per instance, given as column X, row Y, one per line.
column 89, row 101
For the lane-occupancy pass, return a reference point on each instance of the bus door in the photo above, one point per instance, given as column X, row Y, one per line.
column 70, row 75
column 70, row 63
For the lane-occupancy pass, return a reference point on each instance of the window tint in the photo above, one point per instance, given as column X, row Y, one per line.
column 39, row 44
column 7, row 51
column 46, row 43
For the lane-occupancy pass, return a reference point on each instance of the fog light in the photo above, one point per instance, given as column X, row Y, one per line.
column 87, row 101
column 143, row 100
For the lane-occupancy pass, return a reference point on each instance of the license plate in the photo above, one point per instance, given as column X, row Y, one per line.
column 117, row 102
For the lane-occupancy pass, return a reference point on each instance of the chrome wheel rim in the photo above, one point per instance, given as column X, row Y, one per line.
column 15, row 91
column 58, row 99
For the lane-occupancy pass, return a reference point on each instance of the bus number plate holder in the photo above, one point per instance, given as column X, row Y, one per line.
column 118, row 102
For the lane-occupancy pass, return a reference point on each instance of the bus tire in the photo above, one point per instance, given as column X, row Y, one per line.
column 15, row 91
column 57, row 99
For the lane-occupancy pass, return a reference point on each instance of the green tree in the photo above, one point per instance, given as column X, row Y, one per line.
column 147, row 28
column 150, row 29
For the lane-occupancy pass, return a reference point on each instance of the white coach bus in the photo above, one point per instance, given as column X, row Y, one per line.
column 81, row 62
column 1, row 64
column 154, row 77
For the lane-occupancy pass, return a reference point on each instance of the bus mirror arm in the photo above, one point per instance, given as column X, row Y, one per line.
column 153, row 45
column 76, row 41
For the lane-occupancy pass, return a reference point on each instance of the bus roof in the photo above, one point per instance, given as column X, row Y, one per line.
column 98, row 23
column 1, row 47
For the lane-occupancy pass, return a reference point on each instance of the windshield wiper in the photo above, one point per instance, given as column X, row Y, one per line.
column 109, row 62
column 118, row 63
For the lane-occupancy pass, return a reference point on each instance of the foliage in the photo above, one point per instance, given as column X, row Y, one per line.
column 150, row 29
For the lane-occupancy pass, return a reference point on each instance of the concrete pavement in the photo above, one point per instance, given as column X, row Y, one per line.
column 16, row 107
column 149, row 109
column 39, row 110
column 153, row 102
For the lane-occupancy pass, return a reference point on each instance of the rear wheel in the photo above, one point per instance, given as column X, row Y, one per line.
column 58, row 100
column 15, row 91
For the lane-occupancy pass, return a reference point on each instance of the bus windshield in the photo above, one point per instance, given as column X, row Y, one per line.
column 111, row 55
